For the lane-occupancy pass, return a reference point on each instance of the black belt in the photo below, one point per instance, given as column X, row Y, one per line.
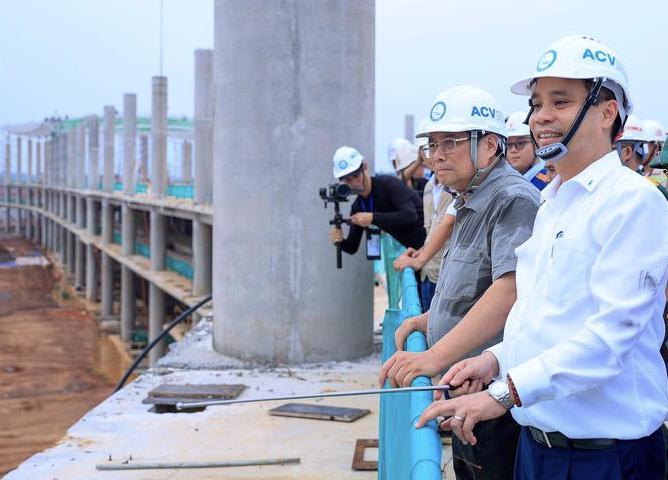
column 559, row 440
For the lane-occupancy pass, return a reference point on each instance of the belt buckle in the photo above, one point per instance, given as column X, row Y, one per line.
column 547, row 439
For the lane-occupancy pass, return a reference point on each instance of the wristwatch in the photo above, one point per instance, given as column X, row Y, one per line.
column 500, row 392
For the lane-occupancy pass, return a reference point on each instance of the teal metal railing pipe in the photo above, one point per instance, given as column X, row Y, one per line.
column 404, row 451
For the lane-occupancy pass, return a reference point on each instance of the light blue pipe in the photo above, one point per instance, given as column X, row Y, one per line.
column 404, row 451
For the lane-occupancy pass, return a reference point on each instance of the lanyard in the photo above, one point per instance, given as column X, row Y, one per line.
column 363, row 203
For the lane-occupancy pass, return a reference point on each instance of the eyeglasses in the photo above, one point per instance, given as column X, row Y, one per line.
column 519, row 144
column 449, row 145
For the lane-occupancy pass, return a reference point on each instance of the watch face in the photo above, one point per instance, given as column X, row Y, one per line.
column 498, row 388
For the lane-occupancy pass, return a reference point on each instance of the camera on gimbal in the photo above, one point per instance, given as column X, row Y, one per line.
column 336, row 193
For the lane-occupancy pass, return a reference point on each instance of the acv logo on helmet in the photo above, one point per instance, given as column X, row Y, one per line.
column 343, row 164
column 599, row 55
column 547, row 60
column 483, row 112
column 437, row 111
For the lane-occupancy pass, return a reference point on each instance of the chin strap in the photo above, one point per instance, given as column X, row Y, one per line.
column 479, row 174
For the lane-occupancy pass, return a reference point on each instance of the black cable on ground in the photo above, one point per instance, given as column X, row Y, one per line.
column 157, row 339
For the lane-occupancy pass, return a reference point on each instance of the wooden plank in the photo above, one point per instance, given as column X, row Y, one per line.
column 319, row 412
column 358, row 459
column 197, row 392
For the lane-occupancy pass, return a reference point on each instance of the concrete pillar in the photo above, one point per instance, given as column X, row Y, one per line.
column 107, row 286
column 156, row 317
column 93, row 152
column 409, row 127
column 71, row 160
column 204, row 102
column 30, row 230
column 156, row 302
column 109, row 136
column 8, row 182
column 80, row 156
column 187, row 165
column 91, row 263
column 143, row 158
column 19, row 170
column 127, row 277
column 39, row 173
column 159, row 137
column 319, row 95
column 129, row 142
column 201, row 258
column 30, row 172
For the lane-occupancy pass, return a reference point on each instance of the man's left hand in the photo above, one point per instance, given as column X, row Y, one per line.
column 468, row 410
column 363, row 219
column 402, row 368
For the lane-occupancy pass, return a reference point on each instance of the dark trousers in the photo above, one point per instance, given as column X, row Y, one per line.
column 427, row 290
column 493, row 457
column 641, row 459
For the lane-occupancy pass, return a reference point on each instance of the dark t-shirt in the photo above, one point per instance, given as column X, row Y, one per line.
column 396, row 209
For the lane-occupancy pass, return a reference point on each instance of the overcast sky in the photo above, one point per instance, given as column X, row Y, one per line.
column 74, row 56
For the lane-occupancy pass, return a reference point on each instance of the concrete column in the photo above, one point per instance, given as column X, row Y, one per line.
column 30, row 229
column 91, row 264
column 8, row 182
column 204, row 102
column 143, row 158
column 79, row 156
column 159, row 137
column 107, row 272
column 319, row 95
column 93, row 152
column 107, row 287
column 409, row 127
column 71, row 159
column 156, row 318
column 109, row 136
column 30, row 175
column 156, row 302
column 201, row 258
column 39, row 172
column 187, row 165
column 19, row 170
column 129, row 142
column 127, row 277
column 80, row 247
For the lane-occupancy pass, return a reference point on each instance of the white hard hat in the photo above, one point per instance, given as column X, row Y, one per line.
column 633, row 130
column 654, row 131
column 406, row 154
column 420, row 141
column 581, row 57
column 464, row 108
column 394, row 147
column 346, row 160
column 515, row 126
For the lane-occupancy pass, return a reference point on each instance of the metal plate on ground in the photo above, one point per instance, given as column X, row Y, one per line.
column 165, row 397
column 358, row 459
column 319, row 412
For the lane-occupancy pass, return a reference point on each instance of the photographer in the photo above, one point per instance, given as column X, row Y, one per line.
column 383, row 201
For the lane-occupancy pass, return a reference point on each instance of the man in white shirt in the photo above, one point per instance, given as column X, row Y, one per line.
column 579, row 365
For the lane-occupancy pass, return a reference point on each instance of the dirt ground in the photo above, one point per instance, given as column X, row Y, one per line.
column 47, row 352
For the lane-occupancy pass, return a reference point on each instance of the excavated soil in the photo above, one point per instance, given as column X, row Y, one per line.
column 47, row 357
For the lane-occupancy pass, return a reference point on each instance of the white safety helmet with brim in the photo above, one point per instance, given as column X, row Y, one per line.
column 465, row 108
column 654, row 131
column 346, row 161
column 515, row 126
column 635, row 135
column 584, row 58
